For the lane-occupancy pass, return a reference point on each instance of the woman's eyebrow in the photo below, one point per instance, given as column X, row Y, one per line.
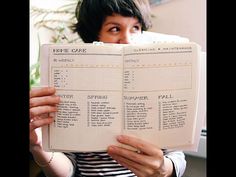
column 118, row 24
column 111, row 23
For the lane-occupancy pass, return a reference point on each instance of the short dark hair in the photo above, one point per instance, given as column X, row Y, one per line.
column 90, row 15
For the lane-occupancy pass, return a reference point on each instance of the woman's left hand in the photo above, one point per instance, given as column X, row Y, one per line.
column 148, row 161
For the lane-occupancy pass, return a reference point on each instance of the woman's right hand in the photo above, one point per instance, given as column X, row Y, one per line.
column 42, row 102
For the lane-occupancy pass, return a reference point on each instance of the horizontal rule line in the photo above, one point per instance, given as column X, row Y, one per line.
column 151, row 53
column 87, row 54
column 88, row 90
column 123, row 90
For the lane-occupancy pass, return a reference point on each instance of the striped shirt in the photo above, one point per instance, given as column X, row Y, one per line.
column 90, row 164
column 97, row 164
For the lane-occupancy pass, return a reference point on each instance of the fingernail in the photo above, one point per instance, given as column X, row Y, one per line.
column 58, row 98
column 119, row 137
column 111, row 148
column 52, row 89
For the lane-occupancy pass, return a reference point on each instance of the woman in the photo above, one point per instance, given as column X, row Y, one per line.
column 109, row 21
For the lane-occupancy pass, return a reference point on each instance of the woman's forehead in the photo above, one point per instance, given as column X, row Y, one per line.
column 119, row 19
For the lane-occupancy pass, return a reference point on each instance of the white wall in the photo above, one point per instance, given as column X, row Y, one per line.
column 186, row 18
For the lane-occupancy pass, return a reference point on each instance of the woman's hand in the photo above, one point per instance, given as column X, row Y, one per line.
column 149, row 161
column 42, row 102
